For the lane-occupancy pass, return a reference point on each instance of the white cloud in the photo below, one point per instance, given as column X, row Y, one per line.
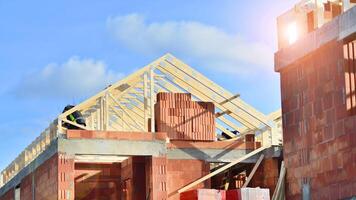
column 208, row 45
column 74, row 78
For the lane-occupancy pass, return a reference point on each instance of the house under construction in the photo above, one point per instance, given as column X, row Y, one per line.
column 161, row 131
column 167, row 131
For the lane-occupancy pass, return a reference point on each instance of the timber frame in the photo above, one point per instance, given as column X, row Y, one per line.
column 128, row 105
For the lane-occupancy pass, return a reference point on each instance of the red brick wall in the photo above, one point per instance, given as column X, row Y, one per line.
column 65, row 177
column 53, row 180
column 133, row 178
column 319, row 135
column 182, row 172
column 8, row 195
column 158, row 178
column 26, row 188
column 46, row 180
column 266, row 175
column 95, row 181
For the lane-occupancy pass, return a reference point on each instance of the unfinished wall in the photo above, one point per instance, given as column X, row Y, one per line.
column 45, row 180
column 182, row 172
column 133, row 178
column 51, row 180
column 97, row 181
column 158, row 178
column 26, row 188
column 9, row 195
column 266, row 175
column 319, row 134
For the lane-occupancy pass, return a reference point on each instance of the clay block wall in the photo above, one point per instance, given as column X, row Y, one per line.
column 158, row 178
column 46, row 180
column 10, row 195
column 65, row 177
column 319, row 134
column 52, row 180
column 133, row 178
column 266, row 175
column 182, row 172
column 26, row 188
column 97, row 181
column 184, row 119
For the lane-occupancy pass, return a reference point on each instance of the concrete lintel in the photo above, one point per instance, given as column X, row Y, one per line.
column 112, row 147
column 51, row 150
column 347, row 24
column 89, row 147
column 339, row 28
column 209, row 155
column 220, row 155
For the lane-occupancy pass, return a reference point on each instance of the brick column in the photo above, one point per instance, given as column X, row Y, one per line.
column 156, row 173
column 65, row 177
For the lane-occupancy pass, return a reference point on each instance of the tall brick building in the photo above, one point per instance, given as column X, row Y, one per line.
column 318, row 79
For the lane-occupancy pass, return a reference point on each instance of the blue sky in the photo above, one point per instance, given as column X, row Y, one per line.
column 48, row 47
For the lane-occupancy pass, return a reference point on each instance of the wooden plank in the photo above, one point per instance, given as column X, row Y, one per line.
column 124, row 121
column 191, row 85
column 254, row 169
column 185, row 188
column 203, row 97
column 279, row 191
column 139, row 126
column 228, row 132
column 145, row 101
column 152, row 99
column 136, row 75
column 75, row 124
column 212, row 85
column 174, row 88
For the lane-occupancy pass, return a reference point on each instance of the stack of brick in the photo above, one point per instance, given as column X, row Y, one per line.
column 184, row 119
column 203, row 194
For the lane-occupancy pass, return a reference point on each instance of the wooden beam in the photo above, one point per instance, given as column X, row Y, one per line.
column 152, row 99
column 252, row 153
column 124, row 121
column 228, row 132
column 145, row 101
column 227, row 112
column 75, row 124
column 230, row 99
column 206, row 94
column 136, row 75
column 135, row 122
column 254, row 169
column 279, row 191
column 172, row 87
column 220, row 91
